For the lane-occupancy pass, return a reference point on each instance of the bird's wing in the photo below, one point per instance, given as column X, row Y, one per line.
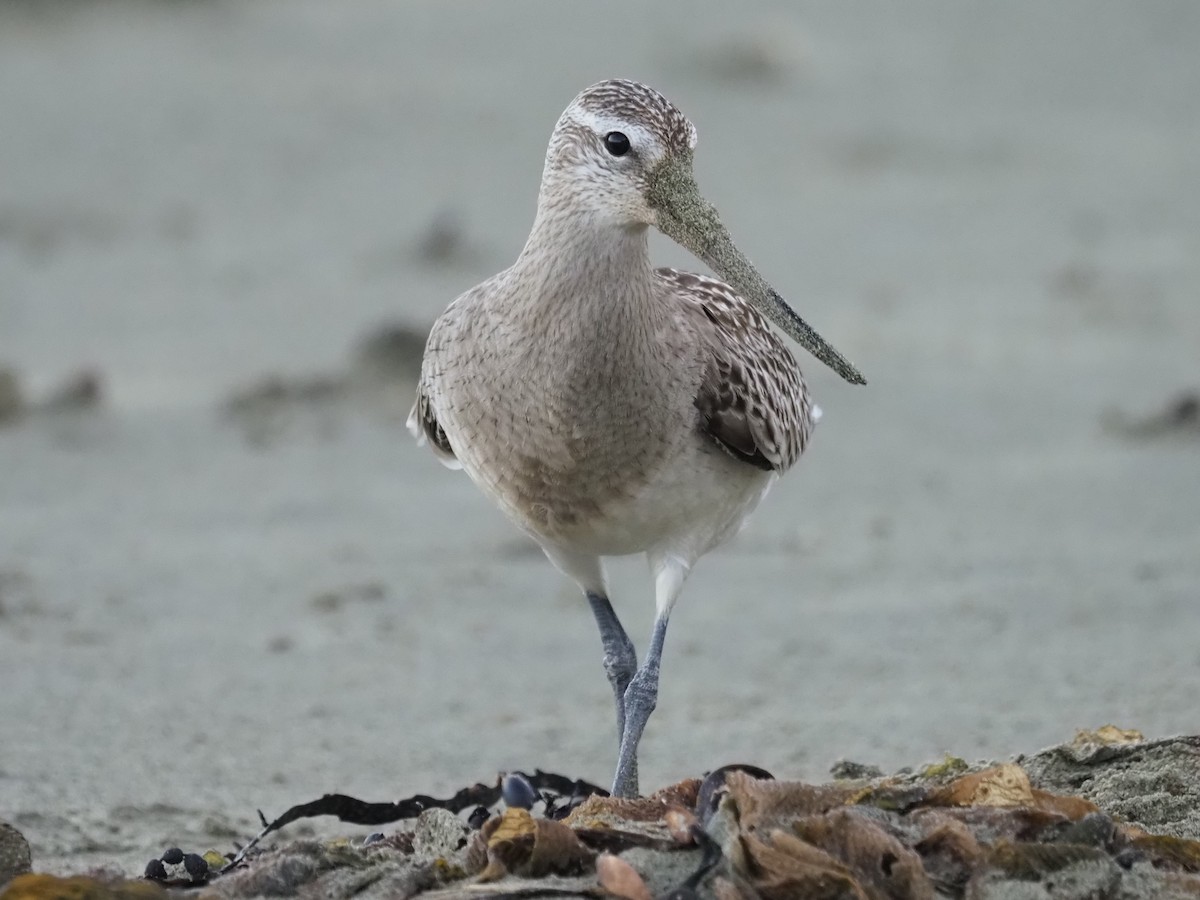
column 424, row 427
column 752, row 399
column 422, row 421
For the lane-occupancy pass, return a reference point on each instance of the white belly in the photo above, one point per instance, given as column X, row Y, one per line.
column 699, row 498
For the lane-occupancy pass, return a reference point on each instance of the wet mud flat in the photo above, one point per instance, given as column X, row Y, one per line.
column 1109, row 816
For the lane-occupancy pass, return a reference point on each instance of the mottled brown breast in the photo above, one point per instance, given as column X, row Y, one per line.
column 611, row 406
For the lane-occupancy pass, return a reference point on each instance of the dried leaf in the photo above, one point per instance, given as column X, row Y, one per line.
column 79, row 887
column 631, row 823
column 519, row 843
column 1007, row 785
column 683, row 793
column 556, row 850
column 1027, row 861
column 989, row 824
column 949, row 854
column 620, row 878
column 680, row 823
column 1045, row 870
column 1074, row 808
column 1003, row 785
column 598, row 811
column 477, row 853
column 876, row 858
column 1108, row 734
column 1173, row 852
column 785, row 867
column 1098, row 746
column 765, row 805
column 715, row 787
column 515, row 824
column 509, row 842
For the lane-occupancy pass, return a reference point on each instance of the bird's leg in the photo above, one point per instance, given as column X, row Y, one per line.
column 640, row 699
column 641, row 695
column 620, row 659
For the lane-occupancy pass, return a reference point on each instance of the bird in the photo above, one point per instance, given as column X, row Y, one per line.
column 612, row 408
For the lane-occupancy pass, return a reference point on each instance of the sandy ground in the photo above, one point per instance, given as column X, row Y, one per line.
column 994, row 212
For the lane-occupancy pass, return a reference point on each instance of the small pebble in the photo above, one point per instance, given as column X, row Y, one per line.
column 173, row 857
column 155, row 870
column 1129, row 857
column 518, row 792
column 373, row 838
column 479, row 815
column 196, row 866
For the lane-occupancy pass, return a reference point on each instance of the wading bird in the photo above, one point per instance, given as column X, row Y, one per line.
column 609, row 407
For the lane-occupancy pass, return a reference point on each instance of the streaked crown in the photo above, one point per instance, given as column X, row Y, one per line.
column 633, row 102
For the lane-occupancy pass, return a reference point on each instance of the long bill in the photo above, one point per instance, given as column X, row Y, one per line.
column 692, row 222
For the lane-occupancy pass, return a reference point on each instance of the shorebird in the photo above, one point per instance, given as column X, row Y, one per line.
column 612, row 408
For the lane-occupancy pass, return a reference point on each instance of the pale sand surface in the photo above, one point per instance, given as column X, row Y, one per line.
column 993, row 211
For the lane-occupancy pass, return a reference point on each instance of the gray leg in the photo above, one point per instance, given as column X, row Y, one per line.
column 620, row 659
column 640, row 699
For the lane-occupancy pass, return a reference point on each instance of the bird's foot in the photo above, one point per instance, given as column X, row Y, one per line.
column 640, row 699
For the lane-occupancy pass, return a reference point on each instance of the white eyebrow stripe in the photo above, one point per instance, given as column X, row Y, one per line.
column 640, row 137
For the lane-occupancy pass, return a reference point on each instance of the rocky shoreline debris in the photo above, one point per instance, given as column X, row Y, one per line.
column 1110, row 815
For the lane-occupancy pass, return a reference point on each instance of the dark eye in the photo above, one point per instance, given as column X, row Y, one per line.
column 616, row 143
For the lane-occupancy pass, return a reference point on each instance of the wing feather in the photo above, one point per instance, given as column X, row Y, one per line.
column 423, row 424
column 752, row 400
column 422, row 421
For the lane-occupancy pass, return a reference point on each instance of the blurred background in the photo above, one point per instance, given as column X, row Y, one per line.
column 229, row 579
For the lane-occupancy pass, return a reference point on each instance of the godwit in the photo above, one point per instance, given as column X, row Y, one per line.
column 609, row 407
